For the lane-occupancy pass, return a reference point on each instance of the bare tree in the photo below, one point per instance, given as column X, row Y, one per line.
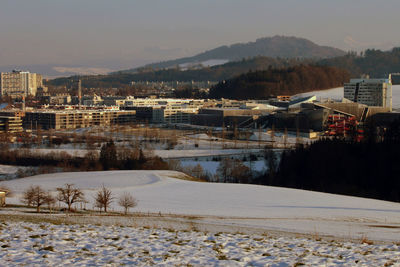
column 35, row 196
column 103, row 198
column 127, row 201
column 50, row 200
column 224, row 169
column 174, row 164
column 69, row 195
column 240, row 173
column 233, row 170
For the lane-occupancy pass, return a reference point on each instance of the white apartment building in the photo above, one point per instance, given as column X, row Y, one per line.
column 371, row 92
column 167, row 110
column 152, row 102
column 19, row 83
column 173, row 114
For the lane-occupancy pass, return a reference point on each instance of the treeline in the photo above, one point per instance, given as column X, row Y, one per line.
column 284, row 81
column 376, row 63
column 365, row 169
column 109, row 158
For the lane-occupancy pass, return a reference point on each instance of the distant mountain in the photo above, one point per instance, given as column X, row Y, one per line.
column 277, row 46
column 53, row 70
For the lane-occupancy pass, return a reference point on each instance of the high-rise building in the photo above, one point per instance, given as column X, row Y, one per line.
column 19, row 83
column 371, row 92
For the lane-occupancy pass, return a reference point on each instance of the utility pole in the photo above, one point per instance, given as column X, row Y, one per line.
column 79, row 93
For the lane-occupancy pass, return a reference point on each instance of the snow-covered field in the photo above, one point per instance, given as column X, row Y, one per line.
column 250, row 206
column 44, row 244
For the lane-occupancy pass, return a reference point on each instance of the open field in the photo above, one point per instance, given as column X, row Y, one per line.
column 47, row 244
column 240, row 205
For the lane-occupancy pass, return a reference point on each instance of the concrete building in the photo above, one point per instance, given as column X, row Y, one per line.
column 164, row 110
column 172, row 114
column 371, row 92
column 19, row 83
column 10, row 124
column 73, row 119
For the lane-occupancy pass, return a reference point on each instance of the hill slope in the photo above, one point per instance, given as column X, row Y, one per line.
column 241, row 204
column 215, row 73
column 276, row 46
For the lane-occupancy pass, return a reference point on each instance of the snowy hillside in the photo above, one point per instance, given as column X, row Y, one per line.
column 238, row 204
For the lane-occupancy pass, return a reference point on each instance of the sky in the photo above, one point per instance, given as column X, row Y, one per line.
column 120, row 34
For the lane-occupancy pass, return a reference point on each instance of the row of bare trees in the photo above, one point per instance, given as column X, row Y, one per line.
column 37, row 197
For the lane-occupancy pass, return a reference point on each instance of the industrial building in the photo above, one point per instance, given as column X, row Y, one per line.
column 18, row 84
column 371, row 92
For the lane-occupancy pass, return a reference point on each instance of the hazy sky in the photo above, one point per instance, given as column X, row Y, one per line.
column 124, row 33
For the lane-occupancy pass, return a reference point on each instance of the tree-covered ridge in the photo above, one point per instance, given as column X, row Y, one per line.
column 215, row 73
column 284, row 81
column 276, row 46
column 376, row 63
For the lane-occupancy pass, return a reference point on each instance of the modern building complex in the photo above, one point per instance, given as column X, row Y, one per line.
column 371, row 92
column 19, row 83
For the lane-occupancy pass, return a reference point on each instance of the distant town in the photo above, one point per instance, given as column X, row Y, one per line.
column 28, row 107
column 199, row 133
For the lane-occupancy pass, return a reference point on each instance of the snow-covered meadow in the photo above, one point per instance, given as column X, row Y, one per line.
column 243, row 205
column 45, row 244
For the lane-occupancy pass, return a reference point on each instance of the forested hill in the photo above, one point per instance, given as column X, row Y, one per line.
column 276, row 46
column 215, row 73
column 375, row 63
column 285, row 81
